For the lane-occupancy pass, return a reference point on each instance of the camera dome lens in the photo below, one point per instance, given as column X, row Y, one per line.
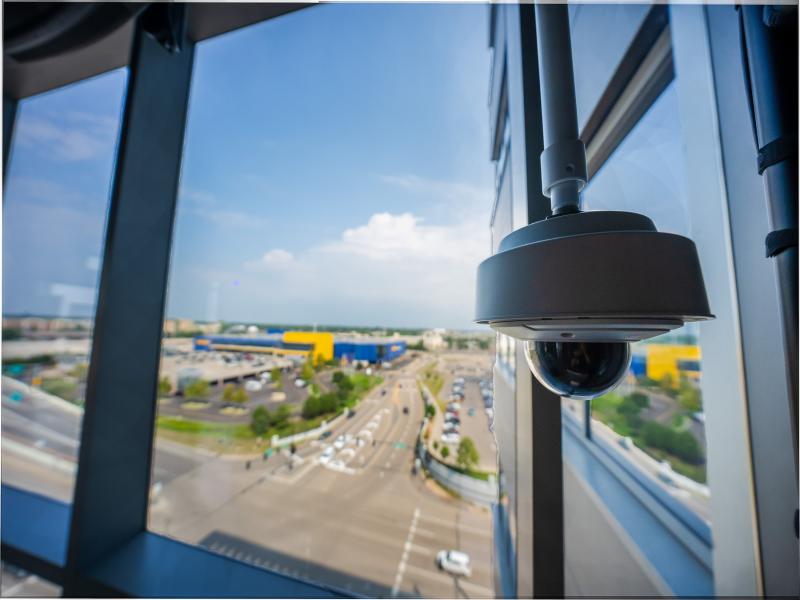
column 580, row 370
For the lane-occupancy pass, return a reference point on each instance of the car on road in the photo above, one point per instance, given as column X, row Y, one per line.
column 325, row 434
column 351, row 414
column 299, row 383
column 451, row 438
column 454, row 562
column 326, row 456
column 405, row 410
column 471, row 412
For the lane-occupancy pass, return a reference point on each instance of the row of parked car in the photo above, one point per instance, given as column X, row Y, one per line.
column 451, row 431
column 487, row 391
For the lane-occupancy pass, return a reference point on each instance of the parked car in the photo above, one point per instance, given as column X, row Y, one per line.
column 405, row 410
column 454, row 562
column 326, row 456
column 252, row 385
column 450, row 427
column 451, row 437
column 454, row 406
column 299, row 383
column 339, row 443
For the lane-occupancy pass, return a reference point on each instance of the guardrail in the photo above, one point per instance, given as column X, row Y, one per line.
column 304, row 435
column 478, row 491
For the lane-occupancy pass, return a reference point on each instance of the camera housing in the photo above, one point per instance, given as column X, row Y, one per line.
column 579, row 287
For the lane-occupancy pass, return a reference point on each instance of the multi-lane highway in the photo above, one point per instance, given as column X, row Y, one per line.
column 367, row 525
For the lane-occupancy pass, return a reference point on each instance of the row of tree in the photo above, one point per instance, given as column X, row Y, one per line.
column 467, row 456
column 330, row 402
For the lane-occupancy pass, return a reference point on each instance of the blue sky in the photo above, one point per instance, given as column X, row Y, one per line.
column 336, row 171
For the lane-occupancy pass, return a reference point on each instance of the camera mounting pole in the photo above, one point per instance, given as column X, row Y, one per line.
column 564, row 156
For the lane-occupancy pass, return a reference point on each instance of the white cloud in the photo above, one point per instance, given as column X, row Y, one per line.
column 205, row 205
column 277, row 258
column 463, row 194
column 394, row 269
column 72, row 136
column 404, row 237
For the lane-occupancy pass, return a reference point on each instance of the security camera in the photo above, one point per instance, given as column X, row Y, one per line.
column 579, row 288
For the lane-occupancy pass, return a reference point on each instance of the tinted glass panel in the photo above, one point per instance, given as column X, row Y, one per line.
column 322, row 401
column 600, row 34
column 637, row 480
column 54, row 213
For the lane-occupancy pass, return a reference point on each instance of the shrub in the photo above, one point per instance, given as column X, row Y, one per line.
column 430, row 411
column 164, row 386
column 445, row 452
column 260, row 420
column 681, row 444
column 639, row 399
column 239, row 395
column 196, row 389
column 467, row 454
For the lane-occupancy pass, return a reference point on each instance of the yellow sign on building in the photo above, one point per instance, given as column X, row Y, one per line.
column 322, row 342
column 673, row 360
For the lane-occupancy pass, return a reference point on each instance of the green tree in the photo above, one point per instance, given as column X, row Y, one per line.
column 686, row 447
column 311, row 407
column 228, row 391
column 435, row 445
column 164, row 386
column 445, row 452
column 641, row 399
column 307, row 372
column 629, row 409
column 467, row 454
column 689, row 395
column 280, row 417
column 196, row 389
column 260, row 420
column 275, row 376
column 429, row 411
column 80, row 371
column 240, row 396
column 667, row 383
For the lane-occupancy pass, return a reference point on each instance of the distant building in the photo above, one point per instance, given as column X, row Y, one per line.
column 433, row 339
column 321, row 345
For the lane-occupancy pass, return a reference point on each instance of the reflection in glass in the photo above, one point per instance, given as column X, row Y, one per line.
column 641, row 463
column 55, row 203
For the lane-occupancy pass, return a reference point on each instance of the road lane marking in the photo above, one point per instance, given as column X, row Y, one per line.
column 401, row 568
column 461, row 526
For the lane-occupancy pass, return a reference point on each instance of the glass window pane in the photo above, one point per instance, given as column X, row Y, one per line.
column 18, row 583
column 639, row 481
column 600, row 35
column 331, row 216
column 55, row 204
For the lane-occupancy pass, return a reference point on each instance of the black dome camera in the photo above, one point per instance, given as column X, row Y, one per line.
column 580, row 287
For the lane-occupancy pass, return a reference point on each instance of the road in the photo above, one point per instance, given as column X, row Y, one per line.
column 370, row 527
